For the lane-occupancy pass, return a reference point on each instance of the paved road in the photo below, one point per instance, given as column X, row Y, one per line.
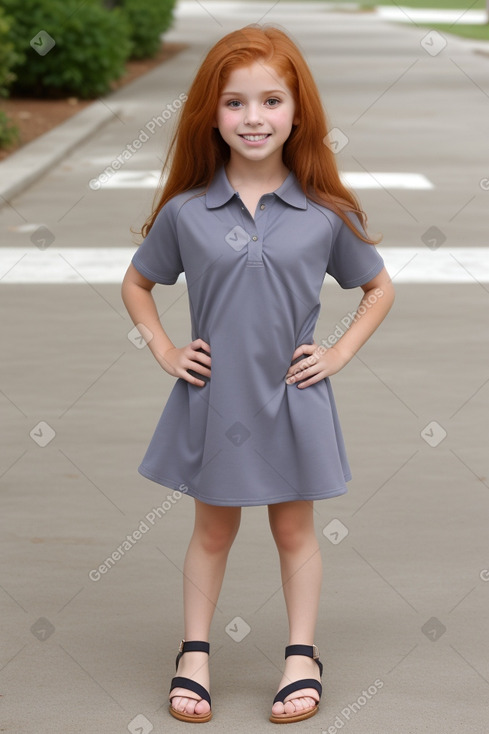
column 402, row 628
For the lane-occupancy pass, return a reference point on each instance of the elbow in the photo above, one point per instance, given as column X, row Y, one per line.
column 387, row 289
column 124, row 287
column 389, row 292
column 388, row 296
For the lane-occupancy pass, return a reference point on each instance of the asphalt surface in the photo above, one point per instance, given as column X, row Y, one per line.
column 403, row 620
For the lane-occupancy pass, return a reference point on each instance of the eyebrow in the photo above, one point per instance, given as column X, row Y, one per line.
column 271, row 91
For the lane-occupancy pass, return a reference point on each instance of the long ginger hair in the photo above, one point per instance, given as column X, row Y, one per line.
column 197, row 149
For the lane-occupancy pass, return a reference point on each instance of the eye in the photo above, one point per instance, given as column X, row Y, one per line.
column 233, row 103
column 273, row 102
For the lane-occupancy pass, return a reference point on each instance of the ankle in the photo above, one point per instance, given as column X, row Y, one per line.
column 193, row 662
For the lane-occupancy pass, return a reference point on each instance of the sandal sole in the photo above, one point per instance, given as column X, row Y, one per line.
column 190, row 718
column 284, row 719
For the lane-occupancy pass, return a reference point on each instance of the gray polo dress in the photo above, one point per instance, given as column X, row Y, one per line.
column 247, row 438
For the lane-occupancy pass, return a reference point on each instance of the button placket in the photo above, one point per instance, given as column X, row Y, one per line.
column 255, row 245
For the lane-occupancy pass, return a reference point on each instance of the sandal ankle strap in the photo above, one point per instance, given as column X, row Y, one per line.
column 310, row 651
column 193, row 646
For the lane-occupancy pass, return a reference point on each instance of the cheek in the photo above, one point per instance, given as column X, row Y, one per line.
column 226, row 119
column 284, row 120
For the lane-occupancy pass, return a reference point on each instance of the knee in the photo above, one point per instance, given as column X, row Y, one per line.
column 290, row 536
column 218, row 537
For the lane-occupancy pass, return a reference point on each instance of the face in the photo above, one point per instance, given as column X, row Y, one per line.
column 255, row 113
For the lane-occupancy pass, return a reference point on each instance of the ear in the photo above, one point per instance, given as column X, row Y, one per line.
column 296, row 120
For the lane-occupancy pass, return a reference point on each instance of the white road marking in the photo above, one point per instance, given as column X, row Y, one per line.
column 148, row 179
column 387, row 180
column 78, row 265
column 24, row 228
column 257, row 8
column 129, row 180
column 431, row 15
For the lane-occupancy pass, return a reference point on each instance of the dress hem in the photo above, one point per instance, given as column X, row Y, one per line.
column 185, row 489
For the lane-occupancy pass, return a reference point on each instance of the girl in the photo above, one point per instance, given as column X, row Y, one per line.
column 254, row 212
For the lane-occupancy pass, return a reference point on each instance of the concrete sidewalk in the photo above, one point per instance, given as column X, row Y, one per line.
column 402, row 628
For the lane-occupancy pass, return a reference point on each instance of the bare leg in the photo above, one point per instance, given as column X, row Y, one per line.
column 205, row 563
column 292, row 525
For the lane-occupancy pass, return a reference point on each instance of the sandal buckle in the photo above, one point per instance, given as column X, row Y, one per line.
column 180, row 647
column 315, row 652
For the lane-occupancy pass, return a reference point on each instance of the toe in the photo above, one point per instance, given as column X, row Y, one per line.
column 190, row 707
column 306, row 703
column 176, row 703
column 277, row 708
column 202, row 707
column 293, row 707
column 182, row 704
column 289, row 708
column 296, row 705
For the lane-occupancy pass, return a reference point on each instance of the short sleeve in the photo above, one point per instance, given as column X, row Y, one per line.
column 158, row 256
column 352, row 262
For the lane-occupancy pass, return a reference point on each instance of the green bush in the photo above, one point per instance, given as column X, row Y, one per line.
column 7, row 55
column 148, row 19
column 91, row 47
column 8, row 131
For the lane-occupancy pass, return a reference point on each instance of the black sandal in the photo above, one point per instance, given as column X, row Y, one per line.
column 190, row 685
column 309, row 651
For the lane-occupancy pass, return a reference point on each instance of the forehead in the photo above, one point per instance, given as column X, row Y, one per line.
column 258, row 74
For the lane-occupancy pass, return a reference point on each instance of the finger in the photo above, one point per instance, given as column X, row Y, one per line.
column 296, row 371
column 310, row 357
column 197, row 360
column 309, row 371
column 293, row 367
column 298, row 352
column 200, row 344
column 302, row 366
column 310, row 376
column 200, row 357
column 191, row 376
column 199, row 369
column 303, row 349
column 298, row 374
column 311, row 360
column 311, row 381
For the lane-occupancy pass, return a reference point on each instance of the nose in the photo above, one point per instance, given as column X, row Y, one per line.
column 253, row 114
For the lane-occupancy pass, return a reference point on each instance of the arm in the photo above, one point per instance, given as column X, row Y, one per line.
column 139, row 302
column 321, row 362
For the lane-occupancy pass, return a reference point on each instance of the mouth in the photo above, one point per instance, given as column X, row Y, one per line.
column 255, row 138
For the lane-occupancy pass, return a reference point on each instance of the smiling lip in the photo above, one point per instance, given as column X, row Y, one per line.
column 258, row 138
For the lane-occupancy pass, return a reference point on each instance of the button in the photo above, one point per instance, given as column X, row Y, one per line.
column 254, row 238
column 262, row 206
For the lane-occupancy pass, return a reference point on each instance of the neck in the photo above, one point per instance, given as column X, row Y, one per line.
column 259, row 174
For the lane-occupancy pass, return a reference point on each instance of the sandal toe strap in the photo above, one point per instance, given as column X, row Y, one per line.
column 190, row 685
column 297, row 686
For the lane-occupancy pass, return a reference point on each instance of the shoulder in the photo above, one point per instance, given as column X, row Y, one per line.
column 174, row 206
column 335, row 221
column 326, row 213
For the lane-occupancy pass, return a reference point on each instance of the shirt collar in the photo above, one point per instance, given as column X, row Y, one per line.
column 220, row 191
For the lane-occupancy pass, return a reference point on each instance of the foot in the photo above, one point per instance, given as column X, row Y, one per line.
column 299, row 702
column 194, row 665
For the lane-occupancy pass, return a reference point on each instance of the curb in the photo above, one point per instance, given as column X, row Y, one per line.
column 33, row 160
